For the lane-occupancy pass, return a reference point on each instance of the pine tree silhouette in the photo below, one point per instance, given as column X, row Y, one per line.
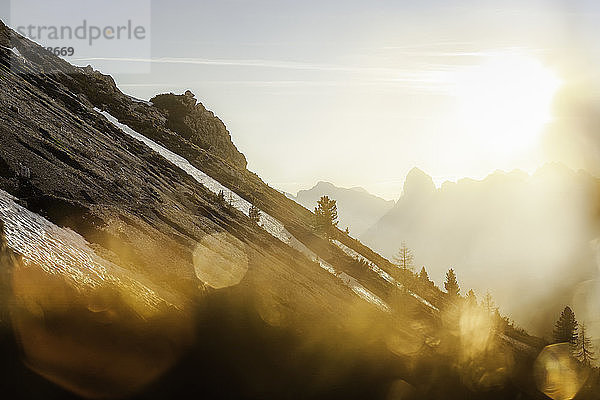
column 326, row 217
column 565, row 329
column 451, row 283
column 584, row 349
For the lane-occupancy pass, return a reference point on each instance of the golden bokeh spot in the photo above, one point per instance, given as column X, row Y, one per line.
column 272, row 311
column 557, row 373
column 220, row 260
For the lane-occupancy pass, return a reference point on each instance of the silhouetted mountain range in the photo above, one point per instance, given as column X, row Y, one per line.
column 525, row 238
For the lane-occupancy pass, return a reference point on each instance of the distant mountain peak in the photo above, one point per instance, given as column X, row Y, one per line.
column 418, row 182
column 323, row 185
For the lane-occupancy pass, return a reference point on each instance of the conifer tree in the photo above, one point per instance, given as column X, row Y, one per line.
column 565, row 329
column 404, row 258
column 451, row 283
column 424, row 276
column 471, row 298
column 326, row 217
column 584, row 350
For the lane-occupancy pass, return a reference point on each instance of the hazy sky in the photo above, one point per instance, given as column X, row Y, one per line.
column 359, row 92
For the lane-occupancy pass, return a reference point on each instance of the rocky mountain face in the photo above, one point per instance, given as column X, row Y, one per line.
column 526, row 239
column 357, row 209
column 124, row 274
column 195, row 123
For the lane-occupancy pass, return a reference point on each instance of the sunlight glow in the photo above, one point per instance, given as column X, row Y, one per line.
column 505, row 101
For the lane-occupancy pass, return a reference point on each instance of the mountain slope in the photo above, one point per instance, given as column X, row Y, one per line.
column 137, row 210
column 357, row 209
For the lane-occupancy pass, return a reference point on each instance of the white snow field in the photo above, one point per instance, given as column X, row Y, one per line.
column 61, row 251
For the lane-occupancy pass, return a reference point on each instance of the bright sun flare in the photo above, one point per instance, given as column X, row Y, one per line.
column 505, row 101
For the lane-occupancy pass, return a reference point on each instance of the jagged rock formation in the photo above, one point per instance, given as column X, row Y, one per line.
column 195, row 123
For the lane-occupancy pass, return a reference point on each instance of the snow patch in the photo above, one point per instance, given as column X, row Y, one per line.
column 61, row 251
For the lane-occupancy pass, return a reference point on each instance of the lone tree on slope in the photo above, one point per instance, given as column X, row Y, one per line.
column 451, row 283
column 565, row 329
column 404, row 258
column 584, row 350
column 326, row 217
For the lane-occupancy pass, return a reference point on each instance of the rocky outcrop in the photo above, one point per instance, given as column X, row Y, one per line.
column 189, row 118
